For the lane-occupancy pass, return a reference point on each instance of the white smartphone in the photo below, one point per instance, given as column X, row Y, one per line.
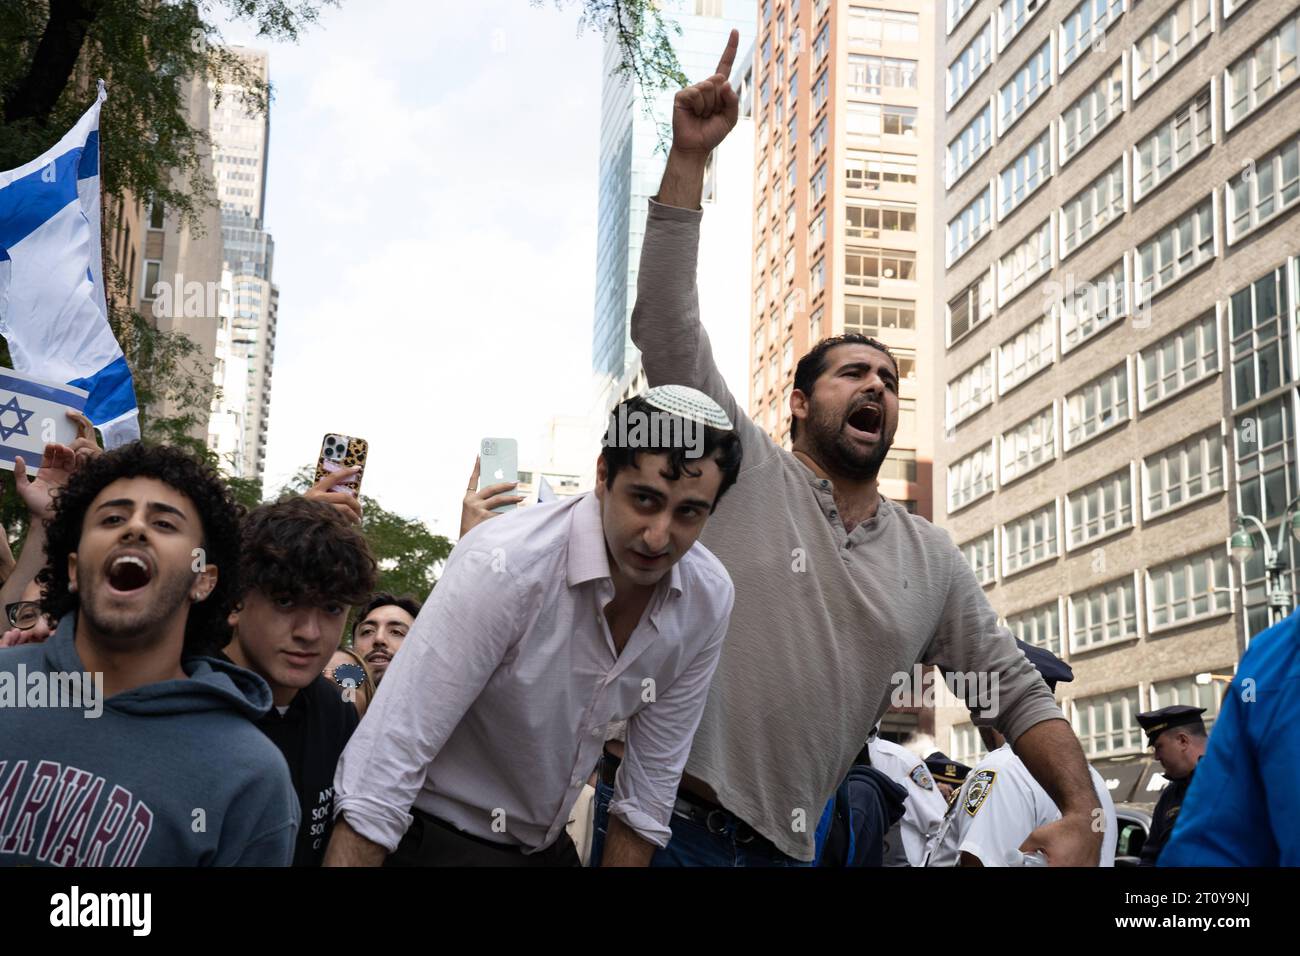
column 498, row 462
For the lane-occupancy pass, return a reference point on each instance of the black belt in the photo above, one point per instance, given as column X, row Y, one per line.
column 712, row 816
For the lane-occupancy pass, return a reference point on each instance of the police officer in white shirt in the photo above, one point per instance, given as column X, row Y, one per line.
column 1001, row 803
column 925, row 806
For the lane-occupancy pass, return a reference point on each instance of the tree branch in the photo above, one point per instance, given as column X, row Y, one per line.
column 34, row 95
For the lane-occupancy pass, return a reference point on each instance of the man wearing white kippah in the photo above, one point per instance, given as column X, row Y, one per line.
column 547, row 625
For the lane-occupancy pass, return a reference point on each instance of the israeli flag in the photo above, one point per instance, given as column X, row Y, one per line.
column 52, row 308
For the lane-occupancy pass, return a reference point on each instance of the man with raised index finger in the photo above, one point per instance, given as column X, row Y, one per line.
column 838, row 589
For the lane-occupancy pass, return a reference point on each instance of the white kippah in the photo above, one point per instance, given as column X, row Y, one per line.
column 689, row 403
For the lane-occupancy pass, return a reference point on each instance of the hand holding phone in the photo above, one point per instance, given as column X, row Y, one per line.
column 499, row 462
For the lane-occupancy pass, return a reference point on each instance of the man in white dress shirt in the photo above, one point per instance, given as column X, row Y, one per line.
column 1000, row 803
column 545, row 626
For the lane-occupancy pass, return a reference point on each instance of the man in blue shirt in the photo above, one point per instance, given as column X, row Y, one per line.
column 1240, row 809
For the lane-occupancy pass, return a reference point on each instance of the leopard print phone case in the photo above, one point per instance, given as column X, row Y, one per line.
column 338, row 452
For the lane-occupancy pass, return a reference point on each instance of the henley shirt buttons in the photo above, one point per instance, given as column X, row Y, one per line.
column 825, row 484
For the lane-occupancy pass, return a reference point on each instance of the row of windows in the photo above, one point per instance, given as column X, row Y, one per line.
column 1106, row 724
column 1163, row 369
column 1248, row 84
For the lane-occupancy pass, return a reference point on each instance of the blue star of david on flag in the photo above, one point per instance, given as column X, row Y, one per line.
column 6, row 431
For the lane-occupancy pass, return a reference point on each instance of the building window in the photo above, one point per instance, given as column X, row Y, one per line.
column 900, row 465
column 1172, row 145
column 1178, row 30
column 817, row 185
column 970, row 478
column 819, row 135
column 1107, row 724
column 1085, row 118
column 817, row 276
column 1172, row 364
column 1026, row 173
column 970, row 64
column 970, row 226
column 866, row 267
column 1258, row 76
column 967, row 746
column 1086, row 24
column 1030, row 540
column 1182, row 473
column 1029, row 83
column 956, row 10
column 787, row 356
column 1097, row 407
column 1265, row 460
column 867, row 222
column 1186, row 691
column 882, row 27
column 1040, row 626
column 981, row 557
column 817, row 232
column 868, row 172
column 1093, row 209
column 899, row 120
column 156, row 215
column 1099, row 509
column 971, row 308
column 1274, row 187
column 152, row 276
column 972, row 143
column 871, row 75
column 820, row 89
column 1024, row 354
column 1030, row 444
column 821, row 45
column 1012, row 17
column 870, row 316
column 1103, row 615
column 1260, row 337
column 969, row 392
column 1188, row 590
column 1025, row 262
column 1175, row 251
column 815, row 325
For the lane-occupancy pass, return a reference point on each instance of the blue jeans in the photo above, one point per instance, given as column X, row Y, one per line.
column 692, row 844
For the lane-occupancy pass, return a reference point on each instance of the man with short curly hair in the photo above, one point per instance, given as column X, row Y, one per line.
column 302, row 566
column 142, row 570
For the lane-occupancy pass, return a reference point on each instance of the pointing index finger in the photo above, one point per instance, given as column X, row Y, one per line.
column 729, row 55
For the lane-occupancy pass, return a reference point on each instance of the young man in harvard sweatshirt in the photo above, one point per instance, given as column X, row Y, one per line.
column 121, row 744
column 302, row 567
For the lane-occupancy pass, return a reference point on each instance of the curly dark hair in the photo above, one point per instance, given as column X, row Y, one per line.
column 306, row 551
column 206, row 628
column 383, row 599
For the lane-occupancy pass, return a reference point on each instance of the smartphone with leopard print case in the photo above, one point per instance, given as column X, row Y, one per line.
column 338, row 452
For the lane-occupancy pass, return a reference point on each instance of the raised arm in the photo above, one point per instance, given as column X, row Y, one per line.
column 666, row 327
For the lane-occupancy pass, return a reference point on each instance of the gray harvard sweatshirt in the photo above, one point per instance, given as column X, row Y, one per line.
column 169, row 774
column 827, row 624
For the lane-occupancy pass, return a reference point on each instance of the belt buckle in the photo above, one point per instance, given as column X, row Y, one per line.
column 720, row 826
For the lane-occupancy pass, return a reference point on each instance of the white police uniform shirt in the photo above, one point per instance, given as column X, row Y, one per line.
column 998, row 806
column 924, row 807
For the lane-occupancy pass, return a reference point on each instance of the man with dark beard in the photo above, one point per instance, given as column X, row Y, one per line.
column 839, row 591
column 143, row 554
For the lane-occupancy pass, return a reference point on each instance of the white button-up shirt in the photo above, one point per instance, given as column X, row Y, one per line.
column 495, row 708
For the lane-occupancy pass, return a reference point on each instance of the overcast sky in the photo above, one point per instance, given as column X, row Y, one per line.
column 432, row 195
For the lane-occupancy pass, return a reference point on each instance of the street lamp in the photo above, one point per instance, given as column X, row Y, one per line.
column 1242, row 546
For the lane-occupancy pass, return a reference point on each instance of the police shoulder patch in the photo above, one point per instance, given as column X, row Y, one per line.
column 981, row 783
column 921, row 777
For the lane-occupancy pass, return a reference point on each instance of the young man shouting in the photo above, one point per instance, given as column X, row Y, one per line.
column 838, row 589
column 547, row 625
column 302, row 566
column 142, row 570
